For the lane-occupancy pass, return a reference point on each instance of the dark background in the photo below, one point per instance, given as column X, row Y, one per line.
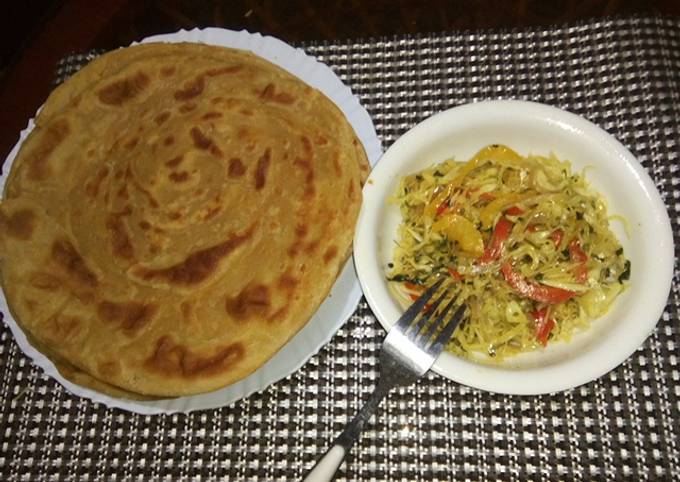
column 37, row 33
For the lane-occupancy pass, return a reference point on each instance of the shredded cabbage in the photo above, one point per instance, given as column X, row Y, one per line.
column 524, row 242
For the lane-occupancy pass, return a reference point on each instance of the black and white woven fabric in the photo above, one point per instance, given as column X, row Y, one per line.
column 622, row 74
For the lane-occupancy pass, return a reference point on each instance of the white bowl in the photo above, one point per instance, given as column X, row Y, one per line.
column 529, row 127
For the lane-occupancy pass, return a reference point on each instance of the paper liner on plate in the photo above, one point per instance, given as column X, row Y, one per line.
column 344, row 295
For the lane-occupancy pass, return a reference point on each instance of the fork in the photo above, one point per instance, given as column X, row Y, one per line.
column 407, row 353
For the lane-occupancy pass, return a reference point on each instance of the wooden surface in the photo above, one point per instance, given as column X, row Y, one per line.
column 37, row 34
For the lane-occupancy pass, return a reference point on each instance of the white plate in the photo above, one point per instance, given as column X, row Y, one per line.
column 529, row 127
column 345, row 294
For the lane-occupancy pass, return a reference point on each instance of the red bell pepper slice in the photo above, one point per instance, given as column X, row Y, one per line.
column 500, row 234
column 414, row 296
column 532, row 290
column 514, row 211
column 455, row 274
column 413, row 287
column 544, row 325
column 577, row 254
column 557, row 236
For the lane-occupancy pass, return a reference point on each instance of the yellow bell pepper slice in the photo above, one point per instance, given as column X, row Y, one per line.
column 494, row 152
column 463, row 231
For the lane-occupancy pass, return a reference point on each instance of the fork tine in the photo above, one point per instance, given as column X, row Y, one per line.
column 410, row 314
column 424, row 337
column 417, row 327
column 443, row 337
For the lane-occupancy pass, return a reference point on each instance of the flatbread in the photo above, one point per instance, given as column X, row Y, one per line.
column 178, row 213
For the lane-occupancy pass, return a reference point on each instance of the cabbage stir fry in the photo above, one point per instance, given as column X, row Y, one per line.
column 526, row 243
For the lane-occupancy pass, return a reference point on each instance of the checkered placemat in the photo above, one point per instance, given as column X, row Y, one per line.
column 624, row 75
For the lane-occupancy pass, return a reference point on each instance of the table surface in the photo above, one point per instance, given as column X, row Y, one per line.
column 623, row 74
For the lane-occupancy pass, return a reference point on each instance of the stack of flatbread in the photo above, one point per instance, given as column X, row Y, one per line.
column 178, row 213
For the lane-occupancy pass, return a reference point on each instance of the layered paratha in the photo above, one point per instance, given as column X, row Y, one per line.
column 178, row 213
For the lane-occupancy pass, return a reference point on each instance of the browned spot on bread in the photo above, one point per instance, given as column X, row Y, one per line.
column 91, row 152
column 216, row 151
column 45, row 281
column 211, row 115
column 152, row 200
column 174, row 162
column 120, row 241
column 287, row 281
column 174, row 215
column 212, row 212
column 307, row 165
column 253, row 301
column 321, row 140
column 197, row 266
column 350, row 190
column 200, row 140
column 92, row 188
column 191, row 89
column 145, row 225
column 294, row 249
column 307, row 145
column 162, row 117
column 62, row 327
column 66, row 257
column 262, row 168
column 232, row 69
column 270, row 93
column 126, row 211
column 176, row 360
column 123, row 192
column 108, row 369
column 178, row 177
column 168, row 140
column 131, row 316
column 131, row 143
column 124, row 90
column 336, row 163
column 247, row 112
column 312, row 246
column 243, row 133
column 330, row 253
column 19, row 224
column 236, row 168
column 53, row 136
column 30, row 305
column 184, row 108
column 187, row 308
column 278, row 314
column 167, row 71
column 301, row 230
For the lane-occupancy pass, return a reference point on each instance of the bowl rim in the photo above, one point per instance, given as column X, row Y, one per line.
column 573, row 371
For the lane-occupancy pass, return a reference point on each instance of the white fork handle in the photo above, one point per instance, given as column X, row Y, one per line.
column 325, row 469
